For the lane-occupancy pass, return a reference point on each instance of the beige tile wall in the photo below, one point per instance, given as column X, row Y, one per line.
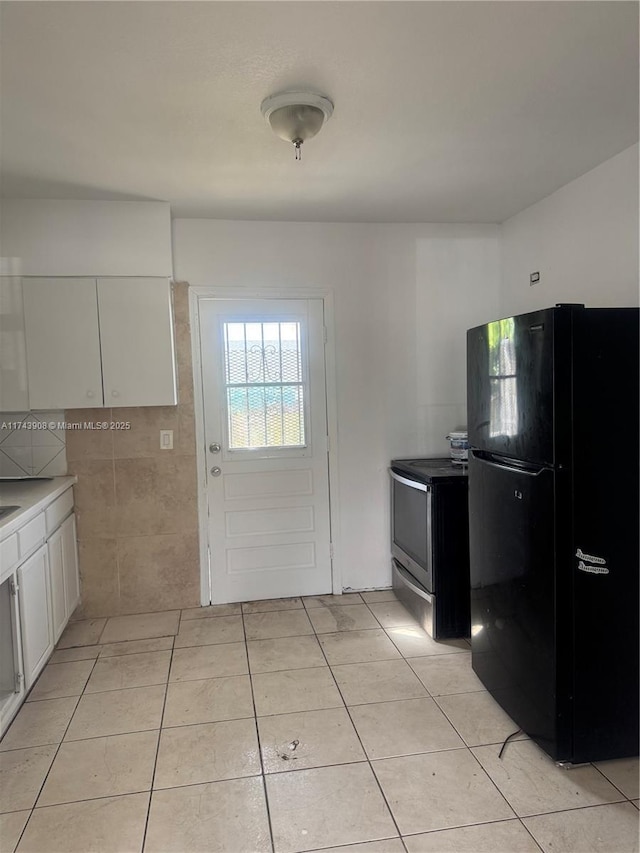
column 136, row 504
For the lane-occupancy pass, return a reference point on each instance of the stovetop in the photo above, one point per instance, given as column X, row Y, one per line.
column 427, row 470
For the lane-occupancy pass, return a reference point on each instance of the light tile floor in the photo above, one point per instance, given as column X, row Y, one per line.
column 287, row 725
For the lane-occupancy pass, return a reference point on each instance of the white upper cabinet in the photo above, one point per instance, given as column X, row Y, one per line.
column 63, row 343
column 136, row 341
column 14, row 394
column 99, row 342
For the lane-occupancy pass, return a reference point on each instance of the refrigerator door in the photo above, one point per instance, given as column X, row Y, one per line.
column 605, row 553
column 510, row 380
column 511, row 538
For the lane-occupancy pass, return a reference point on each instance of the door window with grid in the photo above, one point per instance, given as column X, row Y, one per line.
column 264, row 385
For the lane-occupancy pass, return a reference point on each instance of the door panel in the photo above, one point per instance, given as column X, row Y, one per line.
column 511, row 541
column 257, row 522
column 267, row 465
column 267, row 484
column 271, row 557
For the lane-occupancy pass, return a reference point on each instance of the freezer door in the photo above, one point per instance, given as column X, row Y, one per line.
column 510, row 381
column 511, row 541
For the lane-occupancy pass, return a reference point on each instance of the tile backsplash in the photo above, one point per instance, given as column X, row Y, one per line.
column 32, row 444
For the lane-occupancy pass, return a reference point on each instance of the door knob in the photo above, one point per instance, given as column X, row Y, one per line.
column 215, row 471
column 214, row 448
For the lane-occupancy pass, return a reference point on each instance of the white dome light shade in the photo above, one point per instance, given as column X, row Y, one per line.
column 296, row 122
column 296, row 116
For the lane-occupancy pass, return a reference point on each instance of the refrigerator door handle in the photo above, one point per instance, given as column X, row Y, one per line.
column 504, row 467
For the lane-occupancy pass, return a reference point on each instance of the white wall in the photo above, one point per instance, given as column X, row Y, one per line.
column 404, row 297
column 55, row 237
column 583, row 239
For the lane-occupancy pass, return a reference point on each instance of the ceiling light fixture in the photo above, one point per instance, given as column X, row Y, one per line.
column 296, row 116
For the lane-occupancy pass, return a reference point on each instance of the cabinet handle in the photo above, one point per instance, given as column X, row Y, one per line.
column 115, row 393
column 89, row 393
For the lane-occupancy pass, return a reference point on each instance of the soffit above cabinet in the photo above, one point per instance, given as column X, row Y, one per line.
column 50, row 237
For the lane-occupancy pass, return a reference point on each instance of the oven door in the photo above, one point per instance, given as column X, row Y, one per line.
column 411, row 527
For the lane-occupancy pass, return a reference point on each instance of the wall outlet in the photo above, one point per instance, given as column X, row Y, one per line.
column 534, row 278
column 166, row 439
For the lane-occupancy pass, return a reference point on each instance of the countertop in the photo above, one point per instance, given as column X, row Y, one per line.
column 31, row 496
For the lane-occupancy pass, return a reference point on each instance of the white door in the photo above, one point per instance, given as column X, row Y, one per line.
column 264, row 398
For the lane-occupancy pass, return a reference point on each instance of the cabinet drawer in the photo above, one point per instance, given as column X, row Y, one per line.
column 31, row 535
column 59, row 510
column 9, row 552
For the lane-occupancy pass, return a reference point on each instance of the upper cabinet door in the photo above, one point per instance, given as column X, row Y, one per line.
column 136, row 334
column 14, row 390
column 63, row 344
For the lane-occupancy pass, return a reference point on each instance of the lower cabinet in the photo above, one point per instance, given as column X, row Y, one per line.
column 35, row 614
column 39, row 591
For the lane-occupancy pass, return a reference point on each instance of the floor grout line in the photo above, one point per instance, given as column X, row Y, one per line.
column 44, row 781
column 255, row 719
column 602, row 773
column 366, row 754
column 364, row 760
column 155, row 763
column 527, row 830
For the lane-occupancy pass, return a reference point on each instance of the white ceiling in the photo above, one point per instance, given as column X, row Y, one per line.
column 444, row 111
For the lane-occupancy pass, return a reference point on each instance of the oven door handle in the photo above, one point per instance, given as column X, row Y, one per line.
column 413, row 484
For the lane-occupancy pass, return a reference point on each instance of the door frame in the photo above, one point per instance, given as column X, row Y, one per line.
column 198, row 293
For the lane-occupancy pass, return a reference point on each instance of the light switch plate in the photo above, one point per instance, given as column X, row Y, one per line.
column 166, row 439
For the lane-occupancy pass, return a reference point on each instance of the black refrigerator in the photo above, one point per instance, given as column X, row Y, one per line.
column 553, row 525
